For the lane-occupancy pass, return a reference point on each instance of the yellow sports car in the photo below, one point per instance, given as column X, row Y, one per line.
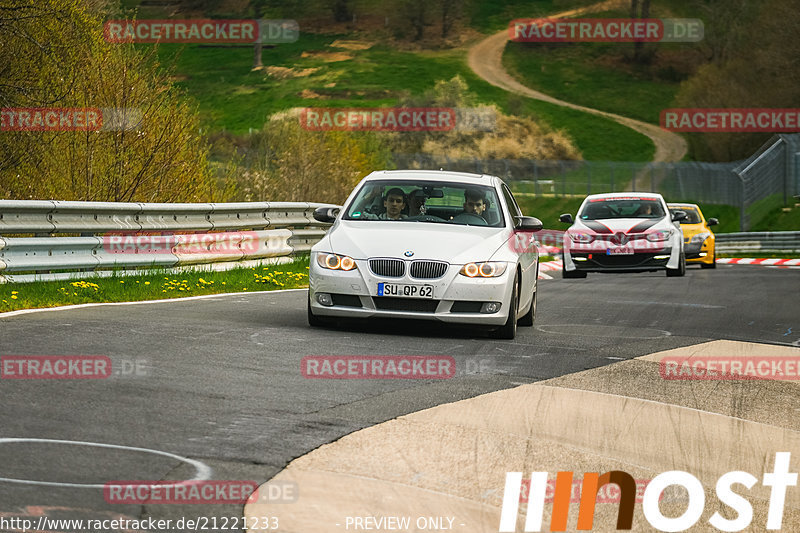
column 697, row 236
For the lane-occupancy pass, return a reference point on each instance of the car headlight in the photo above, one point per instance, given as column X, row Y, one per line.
column 657, row 236
column 581, row 238
column 489, row 269
column 700, row 237
column 336, row 261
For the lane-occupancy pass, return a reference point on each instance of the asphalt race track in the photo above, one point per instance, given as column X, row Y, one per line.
column 217, row 380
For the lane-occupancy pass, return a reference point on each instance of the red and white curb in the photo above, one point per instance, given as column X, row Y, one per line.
column 773, row 262
column 548, row 267
column 762, row 261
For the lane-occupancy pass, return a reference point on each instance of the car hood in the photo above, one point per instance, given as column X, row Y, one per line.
column 690, row 230
column 621, row 225
column 443, row 242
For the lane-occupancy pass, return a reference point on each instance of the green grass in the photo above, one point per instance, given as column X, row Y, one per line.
column 152, row 286
column 767, row 214
column 493, row 15
column 778, row 220
column 598, row 138
column 232, row 97
column 548, row 209
column 601, row 75
column 575, row 72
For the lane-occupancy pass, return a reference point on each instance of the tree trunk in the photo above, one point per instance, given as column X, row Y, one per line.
column 257, row 56
column 638, row 46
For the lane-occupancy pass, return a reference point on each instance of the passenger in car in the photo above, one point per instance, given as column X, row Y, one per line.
column 416, row 203
column 474, row 202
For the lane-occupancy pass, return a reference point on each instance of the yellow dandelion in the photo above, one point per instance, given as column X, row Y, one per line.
column 13, row 297
column 14, row 292
column 147, row 283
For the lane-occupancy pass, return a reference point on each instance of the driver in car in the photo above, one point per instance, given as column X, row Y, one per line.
column 474, row 202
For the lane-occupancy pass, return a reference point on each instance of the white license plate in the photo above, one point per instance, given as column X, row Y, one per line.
column 405, row 291
column 622, row 250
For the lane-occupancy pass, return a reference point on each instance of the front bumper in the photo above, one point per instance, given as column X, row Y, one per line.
column 456, row 298
column 700, row 252
column 637, row 262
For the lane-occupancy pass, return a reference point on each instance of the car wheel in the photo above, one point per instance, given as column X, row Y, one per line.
column 712, row 264
column 316, row 321
column 680, row 271
column 570, row 274
column 530, row 316
column 509, row 329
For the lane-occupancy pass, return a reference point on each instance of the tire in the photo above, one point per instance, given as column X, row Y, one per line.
column 680, row 271
column 570, row 274
column 316, row 321
column 530, row 316
column 509, row 329
column 712, row 264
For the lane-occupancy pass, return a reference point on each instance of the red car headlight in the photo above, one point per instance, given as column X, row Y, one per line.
column 581, row 238
column 658, row 236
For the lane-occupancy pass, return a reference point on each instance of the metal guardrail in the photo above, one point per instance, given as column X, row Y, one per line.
column 124, row 237
column 783, row 242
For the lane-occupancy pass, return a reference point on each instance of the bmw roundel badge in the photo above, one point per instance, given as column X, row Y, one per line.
column 408, row 253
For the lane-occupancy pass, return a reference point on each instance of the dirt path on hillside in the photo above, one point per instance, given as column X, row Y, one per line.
column 486, row 60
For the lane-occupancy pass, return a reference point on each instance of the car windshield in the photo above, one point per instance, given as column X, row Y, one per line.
column 692, row 216
column 629, row 207
column 427, row 202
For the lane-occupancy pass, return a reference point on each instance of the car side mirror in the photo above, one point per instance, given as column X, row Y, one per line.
column 712, row 221
column 527, row 224
column 326, row 214
column 566, row 218
column 677, row 216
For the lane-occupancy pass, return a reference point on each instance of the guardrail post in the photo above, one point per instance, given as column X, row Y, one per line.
column 612, row 177
column 652, row 178
column 588, row 179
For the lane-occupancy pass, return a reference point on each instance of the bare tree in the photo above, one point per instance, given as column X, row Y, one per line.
column 639, row 10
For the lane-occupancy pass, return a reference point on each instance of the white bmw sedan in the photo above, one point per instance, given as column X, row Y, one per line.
column 623, row 232
column 435, row 245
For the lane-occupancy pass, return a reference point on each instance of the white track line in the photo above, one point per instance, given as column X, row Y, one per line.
column 163, row 300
